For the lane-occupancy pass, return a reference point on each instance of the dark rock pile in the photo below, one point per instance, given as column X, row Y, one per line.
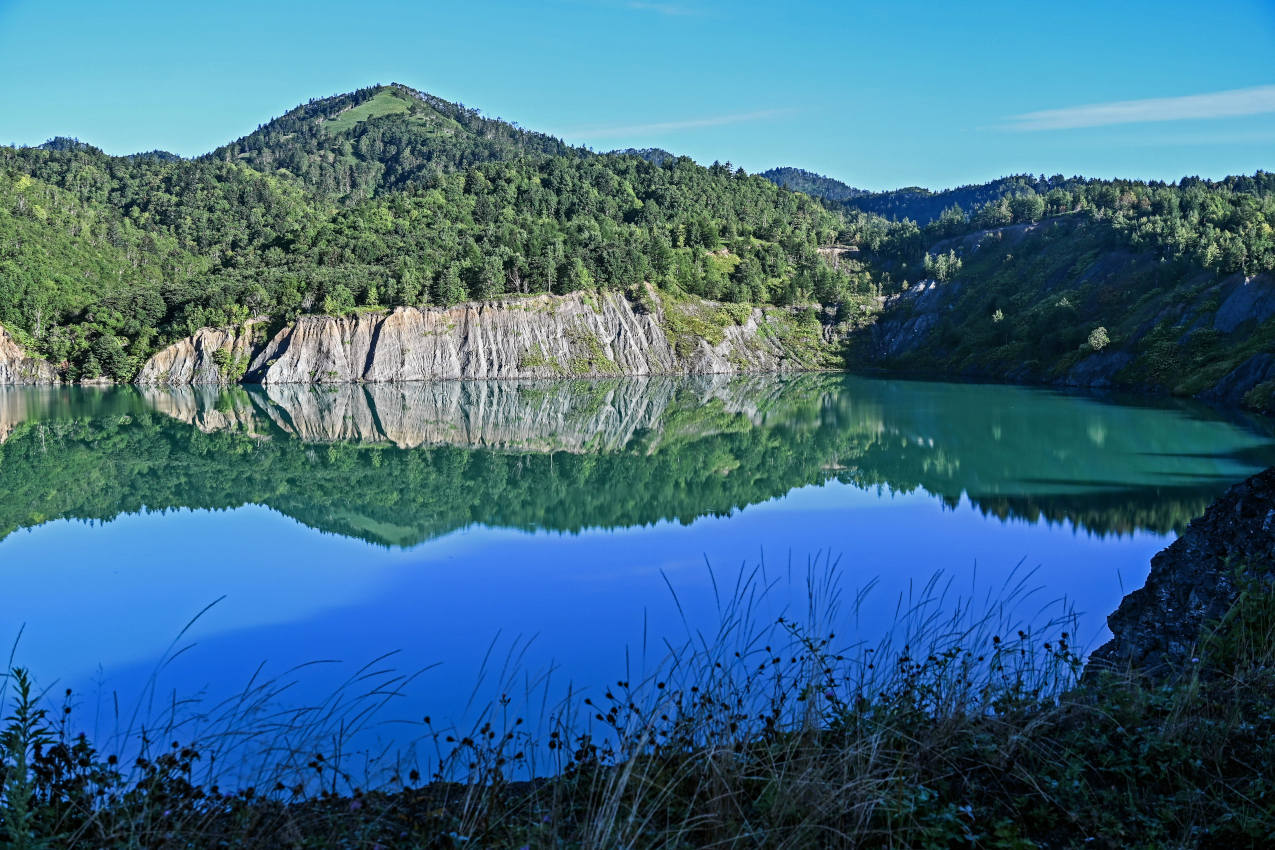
column 1194, row 582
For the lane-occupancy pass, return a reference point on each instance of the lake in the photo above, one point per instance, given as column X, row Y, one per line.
column 522, row 526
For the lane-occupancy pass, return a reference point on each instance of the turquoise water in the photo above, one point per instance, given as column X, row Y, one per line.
column 557, row 520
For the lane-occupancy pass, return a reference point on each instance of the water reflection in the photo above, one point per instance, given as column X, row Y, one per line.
column 400, row 464
column 433, row 518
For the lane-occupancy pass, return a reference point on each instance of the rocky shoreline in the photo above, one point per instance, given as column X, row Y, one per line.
column 601, row 333
column 1211, row 340
column 19, row 368
column 1194, row 582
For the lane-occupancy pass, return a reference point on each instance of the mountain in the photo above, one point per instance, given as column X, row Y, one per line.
column 815, row 185
column 924, row 206
column 388, row 197
column 382, row 138
column 382, row 198
column 913, row 202
column 1153, row 287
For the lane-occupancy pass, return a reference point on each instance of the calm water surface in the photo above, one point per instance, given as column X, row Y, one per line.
column 445, row 520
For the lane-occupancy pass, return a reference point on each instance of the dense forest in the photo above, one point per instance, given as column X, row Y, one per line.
column 388, row 197
column 801, row 180
column 1225, row 225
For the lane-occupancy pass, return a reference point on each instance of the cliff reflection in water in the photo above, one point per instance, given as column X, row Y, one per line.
column 399, row 464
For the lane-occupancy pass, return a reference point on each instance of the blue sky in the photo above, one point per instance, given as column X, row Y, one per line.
column 879, row 95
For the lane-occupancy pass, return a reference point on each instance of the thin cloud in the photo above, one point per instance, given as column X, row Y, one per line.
column 669, row 126
column 1221, row 104
column 662, row 9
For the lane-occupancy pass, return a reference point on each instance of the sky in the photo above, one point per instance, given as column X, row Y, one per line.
column 879, row 95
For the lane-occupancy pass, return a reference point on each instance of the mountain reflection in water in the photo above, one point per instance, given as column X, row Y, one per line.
column 399, row 464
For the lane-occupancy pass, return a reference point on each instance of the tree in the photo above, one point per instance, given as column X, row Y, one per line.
column 490, row 280
column 994, row 214
column 1027, row 207
column 448, row 289
column 574, row 276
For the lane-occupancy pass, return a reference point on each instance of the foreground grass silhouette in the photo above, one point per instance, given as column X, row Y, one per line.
column 963, row 728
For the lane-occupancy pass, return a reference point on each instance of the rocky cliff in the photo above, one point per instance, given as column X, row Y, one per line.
column 17, row 367
column 585, row 334
column 210, row 356
column 1195, row 581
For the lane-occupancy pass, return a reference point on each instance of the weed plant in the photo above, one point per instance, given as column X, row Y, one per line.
column 966, row 726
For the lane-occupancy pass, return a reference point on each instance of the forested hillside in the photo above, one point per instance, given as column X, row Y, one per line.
column 800, row 180
column 390, row 197
column 1141, row 285
column 355, row 145
column 913, row 202
column 381, row 198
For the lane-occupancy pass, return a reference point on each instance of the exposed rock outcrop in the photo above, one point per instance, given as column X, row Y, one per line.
column 1097, row 369
column 585, row 334
column 210, row 356
column 908, row 318
column 1240, row 381
column 18, row 367
column 1195, row 581
column 1251, row 299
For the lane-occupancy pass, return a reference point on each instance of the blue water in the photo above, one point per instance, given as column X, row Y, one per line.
column 579, row 525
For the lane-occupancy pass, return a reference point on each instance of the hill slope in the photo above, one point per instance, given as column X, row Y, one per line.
column 816, row 185
column 918, row 204
column 1153, row 288
column 382, row 138
column 388, row 197
column 382, row 198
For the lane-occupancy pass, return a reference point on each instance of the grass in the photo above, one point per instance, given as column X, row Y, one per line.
column 688, row 319
column 592, row 358
column 380, row 104
column 535, row 358
column 964, row 728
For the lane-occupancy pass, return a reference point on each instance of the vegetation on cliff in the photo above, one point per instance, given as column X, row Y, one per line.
column 1172, row 283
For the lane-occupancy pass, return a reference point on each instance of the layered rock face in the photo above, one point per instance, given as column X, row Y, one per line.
column 1195, row 581
column 210, row 356
column 17, row 367
column 595, row 334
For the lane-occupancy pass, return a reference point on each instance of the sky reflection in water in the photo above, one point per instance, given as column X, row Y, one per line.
column 340, row 523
